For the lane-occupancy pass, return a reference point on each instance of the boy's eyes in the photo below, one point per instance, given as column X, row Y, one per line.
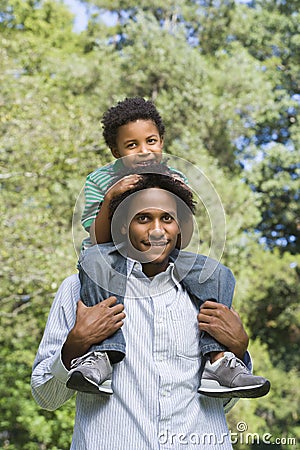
column 149, row 141
column 131, row 144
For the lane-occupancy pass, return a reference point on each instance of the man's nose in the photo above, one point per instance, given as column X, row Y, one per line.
column 156, row 233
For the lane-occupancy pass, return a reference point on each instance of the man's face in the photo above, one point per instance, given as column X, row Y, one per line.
column 138, row 143
column 152, row 229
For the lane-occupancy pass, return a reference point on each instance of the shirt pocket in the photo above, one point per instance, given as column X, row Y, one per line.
column 186, row 333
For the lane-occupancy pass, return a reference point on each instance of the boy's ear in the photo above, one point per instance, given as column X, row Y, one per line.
column 115, row 153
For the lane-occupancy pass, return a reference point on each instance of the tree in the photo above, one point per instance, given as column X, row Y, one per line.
column 225, row 77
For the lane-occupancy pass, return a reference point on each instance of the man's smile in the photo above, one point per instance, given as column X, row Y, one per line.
column 156, row 243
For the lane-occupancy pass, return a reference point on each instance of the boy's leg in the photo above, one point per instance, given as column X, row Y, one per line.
column 229, row 377
column 92, row 371
column 225, row 375
column 91, row 294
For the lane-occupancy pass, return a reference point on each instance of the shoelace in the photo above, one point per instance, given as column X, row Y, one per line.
column 84, row 360
column 233, row 362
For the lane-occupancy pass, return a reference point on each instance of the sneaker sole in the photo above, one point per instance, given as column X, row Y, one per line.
column 240, row 392
column 77, row 382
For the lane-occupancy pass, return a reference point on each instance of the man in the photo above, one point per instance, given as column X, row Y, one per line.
column 156, row 404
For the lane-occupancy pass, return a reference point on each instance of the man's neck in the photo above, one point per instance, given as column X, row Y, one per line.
column 152, row 269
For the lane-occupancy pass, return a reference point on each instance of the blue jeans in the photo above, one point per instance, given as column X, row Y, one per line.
column 102, row 273
column 91, row 294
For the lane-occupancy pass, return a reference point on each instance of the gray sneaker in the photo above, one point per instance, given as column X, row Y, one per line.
column 91, row 373
column 231, row 378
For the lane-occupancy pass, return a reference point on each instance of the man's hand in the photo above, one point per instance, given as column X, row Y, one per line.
column 93, row 325
column 224, row 325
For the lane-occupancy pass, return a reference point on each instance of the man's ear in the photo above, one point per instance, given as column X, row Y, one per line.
column 123, row 229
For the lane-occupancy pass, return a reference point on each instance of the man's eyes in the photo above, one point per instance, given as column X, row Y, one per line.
column 167, row 218
column 143, row 219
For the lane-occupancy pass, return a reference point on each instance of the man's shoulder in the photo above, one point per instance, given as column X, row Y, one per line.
column 69, row 288
column 104, row 249
column 71, row 280
column 108, row 254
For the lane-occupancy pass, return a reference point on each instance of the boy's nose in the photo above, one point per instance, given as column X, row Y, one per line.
column 144, row 149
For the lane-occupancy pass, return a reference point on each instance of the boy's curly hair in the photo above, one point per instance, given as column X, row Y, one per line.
column 129, row 110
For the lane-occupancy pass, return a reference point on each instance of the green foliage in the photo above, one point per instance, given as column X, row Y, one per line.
column 270, row 302
column 276, row 182
column 225, row 78
column 272, row 418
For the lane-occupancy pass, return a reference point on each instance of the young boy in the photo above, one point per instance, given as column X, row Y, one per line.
column 134, row 132
column 92, row 372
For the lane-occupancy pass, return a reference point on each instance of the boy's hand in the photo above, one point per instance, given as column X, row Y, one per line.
column 123, row 185
column 224, row 325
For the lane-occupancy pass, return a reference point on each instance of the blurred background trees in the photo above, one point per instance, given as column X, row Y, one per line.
column 225, row 76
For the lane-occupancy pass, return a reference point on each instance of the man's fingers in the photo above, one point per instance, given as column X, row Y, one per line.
column 120, row 317
column 107, row 303
column 212, row 308
column 204, row 318
column 209, row 304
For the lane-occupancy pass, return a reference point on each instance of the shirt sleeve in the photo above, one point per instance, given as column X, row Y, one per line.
column 180, row 175
column 49, row 375
column 94, row 195
column 231, row 402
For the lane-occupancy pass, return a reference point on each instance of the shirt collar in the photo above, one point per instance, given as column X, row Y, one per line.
column 118, row 165
column 135, row 268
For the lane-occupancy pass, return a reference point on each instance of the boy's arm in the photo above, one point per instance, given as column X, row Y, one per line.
column 100, row 231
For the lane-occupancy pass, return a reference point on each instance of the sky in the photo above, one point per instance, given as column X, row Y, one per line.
column 81, row 15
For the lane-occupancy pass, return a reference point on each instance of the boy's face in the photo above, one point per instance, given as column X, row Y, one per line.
column 139, row 142
column 152, row 229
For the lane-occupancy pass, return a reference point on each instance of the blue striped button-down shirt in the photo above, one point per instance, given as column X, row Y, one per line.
column 155, row 405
